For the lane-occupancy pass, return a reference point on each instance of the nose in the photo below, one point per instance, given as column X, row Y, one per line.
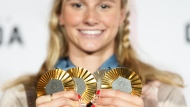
column 91, row 17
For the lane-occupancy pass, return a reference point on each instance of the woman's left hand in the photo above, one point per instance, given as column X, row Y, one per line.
column 114, row 98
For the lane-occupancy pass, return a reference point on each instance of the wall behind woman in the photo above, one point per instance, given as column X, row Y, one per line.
column 23, row 36
column 160, row 34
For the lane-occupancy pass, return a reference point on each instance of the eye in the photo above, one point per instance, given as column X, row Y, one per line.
column 77, row 5
column 103, row 6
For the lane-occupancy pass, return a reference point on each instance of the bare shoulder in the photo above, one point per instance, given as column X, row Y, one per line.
column 14, row 97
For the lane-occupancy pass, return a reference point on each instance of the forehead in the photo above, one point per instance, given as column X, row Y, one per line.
column 93, row 0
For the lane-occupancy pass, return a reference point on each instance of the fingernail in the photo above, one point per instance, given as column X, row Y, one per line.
column 98, row 92
column 79, row 97
column 93, row 105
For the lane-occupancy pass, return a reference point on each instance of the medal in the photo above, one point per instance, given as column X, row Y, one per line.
column 122, row 79
column 99, row 74
column 85, row 83
column 54, row 81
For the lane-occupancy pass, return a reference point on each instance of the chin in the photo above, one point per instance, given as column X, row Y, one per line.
column 90, row 47
column 90, row 51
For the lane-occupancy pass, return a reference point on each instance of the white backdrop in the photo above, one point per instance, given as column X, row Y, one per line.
column 30, row 19
column 163, row 36
column 161, row 32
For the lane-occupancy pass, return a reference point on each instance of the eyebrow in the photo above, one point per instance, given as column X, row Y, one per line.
column 108, row 0
column 75, row 0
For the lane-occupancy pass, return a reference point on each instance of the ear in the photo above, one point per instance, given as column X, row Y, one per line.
column 123, row 16
column 61, row 20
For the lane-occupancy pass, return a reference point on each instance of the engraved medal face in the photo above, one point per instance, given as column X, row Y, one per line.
column 80, row 85
column 122, row 79
column 99, row 74
column 54, row 86
column 122, row 84
column 54, row 81
column 86, row 83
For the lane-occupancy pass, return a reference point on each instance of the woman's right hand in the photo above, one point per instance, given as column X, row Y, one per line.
column 59, row 99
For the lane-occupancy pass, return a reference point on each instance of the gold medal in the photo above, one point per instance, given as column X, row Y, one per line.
column 85, row 83
column 122, row 79
column 54, row 81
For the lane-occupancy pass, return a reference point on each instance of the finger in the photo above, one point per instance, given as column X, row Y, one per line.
column 59, row 102
column 107, row 93
column 96, row 105
column 104, row 106
column 115, row 102
column 65, row 106
column 67, row 94
column 43, row 99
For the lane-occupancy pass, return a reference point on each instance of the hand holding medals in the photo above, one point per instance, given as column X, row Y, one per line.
column 86, row 84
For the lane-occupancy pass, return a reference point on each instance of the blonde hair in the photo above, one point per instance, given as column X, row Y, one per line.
column 126, row 56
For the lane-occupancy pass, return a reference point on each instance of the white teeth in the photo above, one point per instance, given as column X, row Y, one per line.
column 91, row 32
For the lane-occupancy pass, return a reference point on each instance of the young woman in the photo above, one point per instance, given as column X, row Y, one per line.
column 94, row 34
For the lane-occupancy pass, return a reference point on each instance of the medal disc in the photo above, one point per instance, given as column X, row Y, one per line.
column 99, row 74
column 85, row 83
column 54, row 81
column 122, row 79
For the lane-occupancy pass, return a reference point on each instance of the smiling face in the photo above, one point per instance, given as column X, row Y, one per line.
column 91, row 25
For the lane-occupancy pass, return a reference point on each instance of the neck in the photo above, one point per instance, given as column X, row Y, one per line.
column 92, row 61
